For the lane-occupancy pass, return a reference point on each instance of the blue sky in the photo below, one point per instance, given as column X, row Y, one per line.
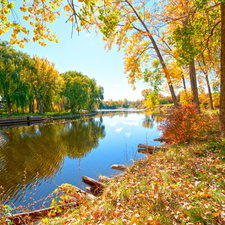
column 84, row 53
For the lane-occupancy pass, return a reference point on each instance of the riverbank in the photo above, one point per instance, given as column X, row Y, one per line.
column 32, row 119
column 183, row 184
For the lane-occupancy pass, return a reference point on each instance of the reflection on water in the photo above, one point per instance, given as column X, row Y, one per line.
column 53, row 150
column 41, row 149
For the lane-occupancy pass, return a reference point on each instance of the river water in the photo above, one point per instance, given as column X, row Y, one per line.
column 63, row 151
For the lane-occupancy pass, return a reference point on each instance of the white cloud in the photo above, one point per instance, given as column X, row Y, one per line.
column 134, row 119
column 117, row 85
column 113, row 124
column 87, row 35
column 127, row 134
column 118, row 130
column 111, row 91
column 129, row 91
column 131, row 123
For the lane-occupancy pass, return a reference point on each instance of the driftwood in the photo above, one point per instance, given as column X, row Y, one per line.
column 96, row 186
column 145, row 151
column 91, row 182
column 103, row 179
column 38, row 214
column 80, row 192
column 32, row 216
column 119, row 167
column 88, row 190
column 160, row 139
column 149, row 147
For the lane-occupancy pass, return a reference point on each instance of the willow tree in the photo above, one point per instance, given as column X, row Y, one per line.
column 43, row 77
column 80, row 91
column 75, row 89
column 10, row 70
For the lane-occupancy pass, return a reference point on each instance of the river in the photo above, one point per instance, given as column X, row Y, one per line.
column 63, row 151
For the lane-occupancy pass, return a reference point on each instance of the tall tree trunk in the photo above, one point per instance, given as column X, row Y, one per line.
column 41, row 108
column 222, row 75
column 39, row 105
column 165, row 71
column 42, row 102
column 194, row 86
column 73, row 109
column 158, row 55
column 9, row 109
column 209, row 92
column 52, row 108
column 183, row 79
column 30, row 107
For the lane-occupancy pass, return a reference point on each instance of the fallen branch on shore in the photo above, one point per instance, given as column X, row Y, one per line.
column 96, row 186
column 103, row 179
column 119, row 167
column 72, row 190
column 145, row 151
column 161, row 140
column 149, row 147
column 75, row 192
column 32, row 216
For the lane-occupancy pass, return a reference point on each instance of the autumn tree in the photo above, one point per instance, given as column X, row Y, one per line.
column 214, row 24
column 128, row 25
column 222, row 75
column 43, row 77
column 10, row 69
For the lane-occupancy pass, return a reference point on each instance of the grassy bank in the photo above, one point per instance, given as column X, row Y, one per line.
column 183, row 184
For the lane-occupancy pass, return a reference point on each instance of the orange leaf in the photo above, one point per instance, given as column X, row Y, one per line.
column 216, row 214
column 134, row 220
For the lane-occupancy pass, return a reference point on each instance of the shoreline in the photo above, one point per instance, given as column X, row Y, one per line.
column 6, row 122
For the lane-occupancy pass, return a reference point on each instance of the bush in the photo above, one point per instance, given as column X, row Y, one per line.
column 186, row 124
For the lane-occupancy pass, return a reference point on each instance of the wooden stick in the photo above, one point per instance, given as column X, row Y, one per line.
column 145, row 151
column 88, row 190
column 103, row 179
column 91, row 182
column 160, row 139
column 37, row 214
column 82, row 193
column 119, row 167
column 147, row 147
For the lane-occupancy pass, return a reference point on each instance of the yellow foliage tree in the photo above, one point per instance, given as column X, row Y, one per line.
column 43, row 77
column 38, row 13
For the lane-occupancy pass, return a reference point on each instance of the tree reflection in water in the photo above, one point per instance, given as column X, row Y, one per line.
column 42, row 148
column 151, row 118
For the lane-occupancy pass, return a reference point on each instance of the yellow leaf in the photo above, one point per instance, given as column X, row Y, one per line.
column 216, row 214
column 134, row 220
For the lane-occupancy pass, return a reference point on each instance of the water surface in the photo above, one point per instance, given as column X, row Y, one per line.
column 64, row 151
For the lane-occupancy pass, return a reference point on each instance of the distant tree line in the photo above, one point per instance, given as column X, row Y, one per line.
column 33, row 84
column 110, row 104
